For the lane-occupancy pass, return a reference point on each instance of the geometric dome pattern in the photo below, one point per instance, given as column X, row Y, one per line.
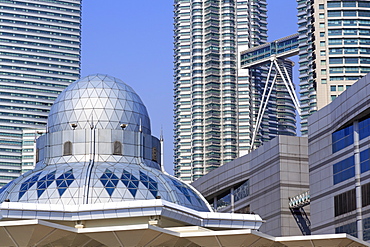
column 101, row 100
column 109, row 182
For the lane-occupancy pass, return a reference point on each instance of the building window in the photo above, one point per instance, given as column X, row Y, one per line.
column 67, row 148
column 350, row 229
column 224, row 201
column 117, row 148
column 364, row 128
column 366, row 226
column 342, row 138
column 344, row 170
column 333, row 88
column 323, row 81
column 340, row 88
column 345, row 202
column 334, row 4
column 154, row 154
column 242, row 191
column 365, row 192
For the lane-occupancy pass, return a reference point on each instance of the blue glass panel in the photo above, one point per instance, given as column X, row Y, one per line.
column 6, row 186
column 150, row 183
column 364, row 128
column 365, row 166
column 130, row 181
column 109, row 181
column 64, row 181
column 132, row 191
column 110, row 191
column 61, row 191
column 44, row 182
column 365, row 160
column 28, row 184
column 182, row 189
column 344, row 170
column 63, row 184
column 342, row 138
column 104, row 181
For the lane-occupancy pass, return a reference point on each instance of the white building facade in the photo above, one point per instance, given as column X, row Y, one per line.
column 40, row 56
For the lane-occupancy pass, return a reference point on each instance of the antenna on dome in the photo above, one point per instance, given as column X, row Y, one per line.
column 140, row 127
column 161, row 139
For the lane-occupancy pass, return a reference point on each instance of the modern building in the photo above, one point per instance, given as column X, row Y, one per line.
column 334, row 50
column 263, row 182
column 339, row 142
column 98, row 182
column 40, row 56
column 216, row 102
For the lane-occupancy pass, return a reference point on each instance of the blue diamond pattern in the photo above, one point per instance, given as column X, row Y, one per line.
column 150, row 183
column 130, row 181
column 28, row 184
column 64, row 181
column 109, row 181
column 44, row 183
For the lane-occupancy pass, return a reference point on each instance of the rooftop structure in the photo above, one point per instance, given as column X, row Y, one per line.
column 99, row 174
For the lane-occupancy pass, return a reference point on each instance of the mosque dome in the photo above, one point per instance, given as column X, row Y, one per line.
column 102, row 100
column 98, row 105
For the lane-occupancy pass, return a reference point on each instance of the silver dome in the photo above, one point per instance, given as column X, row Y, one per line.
column 102, row 100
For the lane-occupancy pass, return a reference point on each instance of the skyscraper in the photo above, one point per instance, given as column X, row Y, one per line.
column 334, row 50
column 40, row 56
column 216, row 103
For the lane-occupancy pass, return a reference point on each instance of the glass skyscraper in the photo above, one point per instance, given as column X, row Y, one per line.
column 334, row 50
column 215, row 101
column 39, row 56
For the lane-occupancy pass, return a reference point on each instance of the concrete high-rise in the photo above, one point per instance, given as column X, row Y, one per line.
column 40, row 56
column 216, row 102
column 334, row 50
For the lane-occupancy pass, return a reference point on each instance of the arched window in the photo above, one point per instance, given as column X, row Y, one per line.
column 117, row 148
column 154, row 154
column 67, row 149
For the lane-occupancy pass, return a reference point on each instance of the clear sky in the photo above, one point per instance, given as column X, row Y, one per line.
column 133, row 41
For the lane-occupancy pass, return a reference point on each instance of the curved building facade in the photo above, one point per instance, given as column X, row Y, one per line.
column 98, row 175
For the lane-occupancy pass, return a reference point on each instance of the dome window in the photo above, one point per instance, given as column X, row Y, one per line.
column 37, row 155
column 67, row 148
column 117, row 148
column 154, row 154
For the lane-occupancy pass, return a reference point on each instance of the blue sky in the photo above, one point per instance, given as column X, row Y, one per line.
column 133, row 41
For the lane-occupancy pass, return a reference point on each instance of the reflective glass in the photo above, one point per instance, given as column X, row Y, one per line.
column 344, row 170
column 342, row 138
